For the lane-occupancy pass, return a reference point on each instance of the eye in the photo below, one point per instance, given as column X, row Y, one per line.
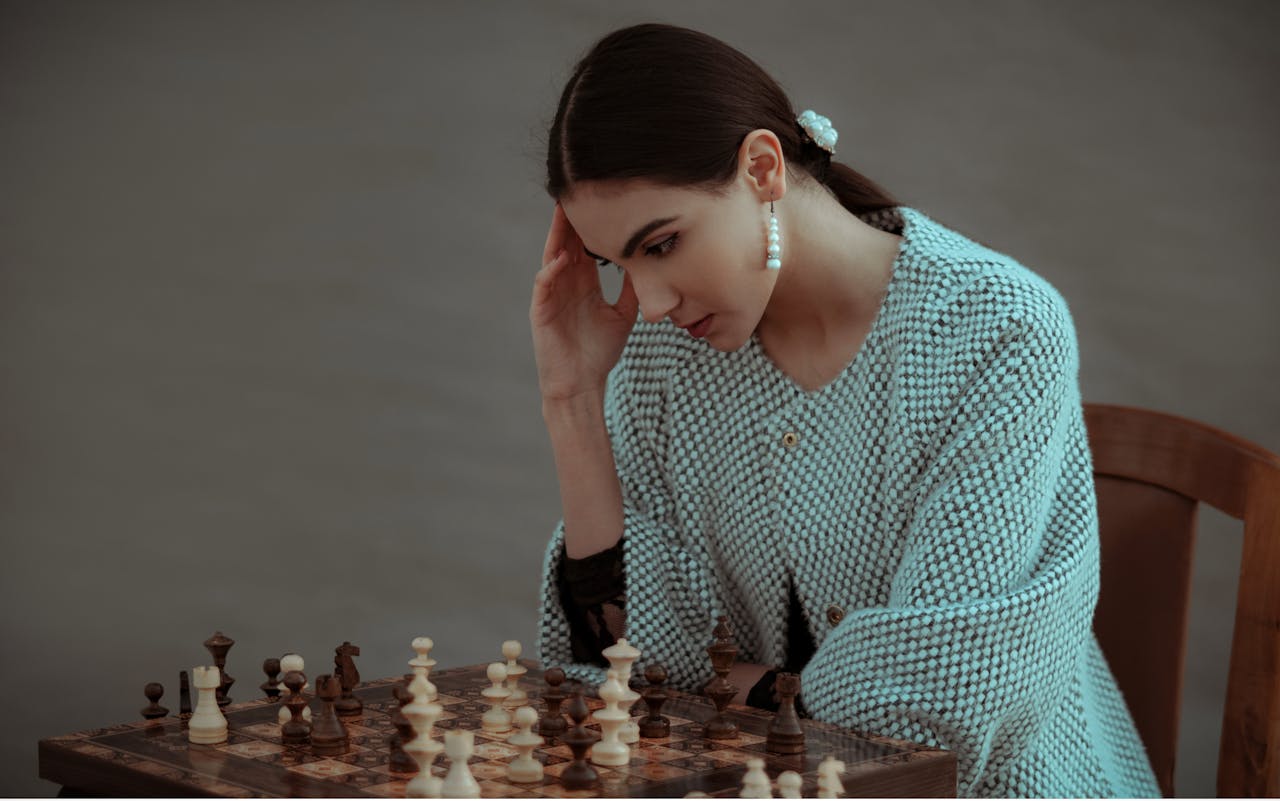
column 664, row 247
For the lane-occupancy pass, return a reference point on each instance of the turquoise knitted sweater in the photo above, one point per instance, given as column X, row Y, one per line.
column 939, row 492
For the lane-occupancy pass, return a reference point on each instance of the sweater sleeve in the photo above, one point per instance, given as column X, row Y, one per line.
column 991, row 604
column 593, row 594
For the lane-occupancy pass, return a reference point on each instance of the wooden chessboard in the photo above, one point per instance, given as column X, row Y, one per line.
column 153, row 757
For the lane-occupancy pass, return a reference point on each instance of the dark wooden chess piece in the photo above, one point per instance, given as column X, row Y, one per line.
column 296, row 730
column 553, row 725
column 154, row 691
column 400, row 761
column 719, row 690
column 272, row 685
column 328, row 735
column 218, row 646
column 580, row 775
column 184, row 695
column 785, row 734
column 344, row 668
column 655, row 695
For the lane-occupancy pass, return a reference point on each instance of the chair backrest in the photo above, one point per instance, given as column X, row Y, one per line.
column 1152, row 470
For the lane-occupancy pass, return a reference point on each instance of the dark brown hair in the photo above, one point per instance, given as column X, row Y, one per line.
column 672, row 106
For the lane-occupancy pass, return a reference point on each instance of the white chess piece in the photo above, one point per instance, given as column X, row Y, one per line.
column 497, row 720
column 610, row 751
column 789, row 783
column 755, row 782
column 829, row 783
column 622, row 655
column 290, row 662
column 511, row 650
column 525, row 767
column 422, row 663
column 424, row 748
column 208, row 725
column 458, row 782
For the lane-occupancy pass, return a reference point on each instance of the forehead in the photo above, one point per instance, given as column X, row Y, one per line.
column 607, row 213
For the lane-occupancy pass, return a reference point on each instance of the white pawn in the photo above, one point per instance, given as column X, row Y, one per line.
column 458, row 782
column 622, row 655
column 290, row 662
column 525, row 768
column 829, row 783
column 422, row 663
column 755, row 782
column 789, row 783
column 511, row 650
column 208, row 725
column 610, row 751
column 423, row 714
column 497, row 720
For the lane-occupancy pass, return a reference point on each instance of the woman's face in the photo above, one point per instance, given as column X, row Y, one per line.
column 705, row 258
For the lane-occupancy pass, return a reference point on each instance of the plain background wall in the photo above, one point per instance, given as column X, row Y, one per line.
column 265, row 270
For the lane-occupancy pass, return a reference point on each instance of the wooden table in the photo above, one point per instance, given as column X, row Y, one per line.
column 153, row 757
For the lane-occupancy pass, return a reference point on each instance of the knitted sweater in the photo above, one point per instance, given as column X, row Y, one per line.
column 933, row 505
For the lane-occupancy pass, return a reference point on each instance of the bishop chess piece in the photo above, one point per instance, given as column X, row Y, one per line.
column 622, row 655
column 296, row 729
column 328, row 734
column 497, row 720
column 525, row 768
column 208, row 726
column 154, row 691
column 400, row 761
column 755, row 782
column 422, row 663
column 789, row 784
column 579, row 775
column 422, row 714
column 785, row 735
column 291, row 662
column 271, row 686
column 511, row 650
column 344, row 668
column 184, row 695
column 611, row 752
column 723, row 653
column 553, row 724
column 655, row 725
column 218, row 646
column 458, row 782
column 830, row 784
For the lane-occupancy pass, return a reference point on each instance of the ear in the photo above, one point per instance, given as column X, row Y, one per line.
column 762, row 166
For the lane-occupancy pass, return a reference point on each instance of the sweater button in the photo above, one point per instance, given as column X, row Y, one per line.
column 790, row 439
column 834, row 615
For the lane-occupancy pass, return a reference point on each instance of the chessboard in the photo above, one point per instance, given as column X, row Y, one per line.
column 154, row 757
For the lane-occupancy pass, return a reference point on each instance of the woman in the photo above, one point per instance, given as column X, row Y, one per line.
column 853, row 431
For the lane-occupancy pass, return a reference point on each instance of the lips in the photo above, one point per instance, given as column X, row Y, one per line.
column 698, row 328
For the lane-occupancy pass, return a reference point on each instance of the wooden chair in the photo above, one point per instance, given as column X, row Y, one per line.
column 1151, row 471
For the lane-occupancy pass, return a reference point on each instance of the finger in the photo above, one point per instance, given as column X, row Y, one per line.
column 628, row 302
column 555, row 234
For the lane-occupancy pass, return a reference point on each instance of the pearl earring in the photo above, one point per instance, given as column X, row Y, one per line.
column 774, row 261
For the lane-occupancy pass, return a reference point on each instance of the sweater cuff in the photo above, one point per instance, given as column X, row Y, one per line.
column 596, row 578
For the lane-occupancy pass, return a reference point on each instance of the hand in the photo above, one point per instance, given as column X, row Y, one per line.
column 577, row 335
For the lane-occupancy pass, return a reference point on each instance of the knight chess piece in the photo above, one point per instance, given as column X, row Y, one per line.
column 344, row 667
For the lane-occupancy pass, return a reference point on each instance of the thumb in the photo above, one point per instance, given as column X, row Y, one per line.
column 628, row 302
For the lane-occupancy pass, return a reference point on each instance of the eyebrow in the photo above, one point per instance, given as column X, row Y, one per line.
column 641, row 233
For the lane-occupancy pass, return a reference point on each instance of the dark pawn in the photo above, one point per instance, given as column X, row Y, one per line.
column 580, row 775
column 344, row 668
column 400, row 761
column 154, row 691
column 723, row 653
column 785, row 734
column 296, row 730
column 272, row 685
column 328, row 735
column 553, row 725
column 184, row 695
column 655, row 695
column 218, row 646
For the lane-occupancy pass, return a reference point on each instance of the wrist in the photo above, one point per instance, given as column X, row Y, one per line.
column 585, row 407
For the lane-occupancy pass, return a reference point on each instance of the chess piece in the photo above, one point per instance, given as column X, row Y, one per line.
column 184, row 695
column 525, row 768
column 208, row 726
column 755, row 782
column 511, row 650
column 579, row 775
column 290, row 662
column 344, row 668
column 553, row 723
column 622, row 655
column 400, row 761
column 218, row 646
column 785, row 735
column 422, row 714
column 328, row 734
column 497, row 720
column 789, row 784
column 654, row 725
column 296, row 729
column 154, row 691
column 460, row 745
column 422, row 663
column 829, row 783
column 611, row 751
column 271, row 686
column 719, row 690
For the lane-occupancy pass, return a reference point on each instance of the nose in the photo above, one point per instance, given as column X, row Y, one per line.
column 656, row 299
